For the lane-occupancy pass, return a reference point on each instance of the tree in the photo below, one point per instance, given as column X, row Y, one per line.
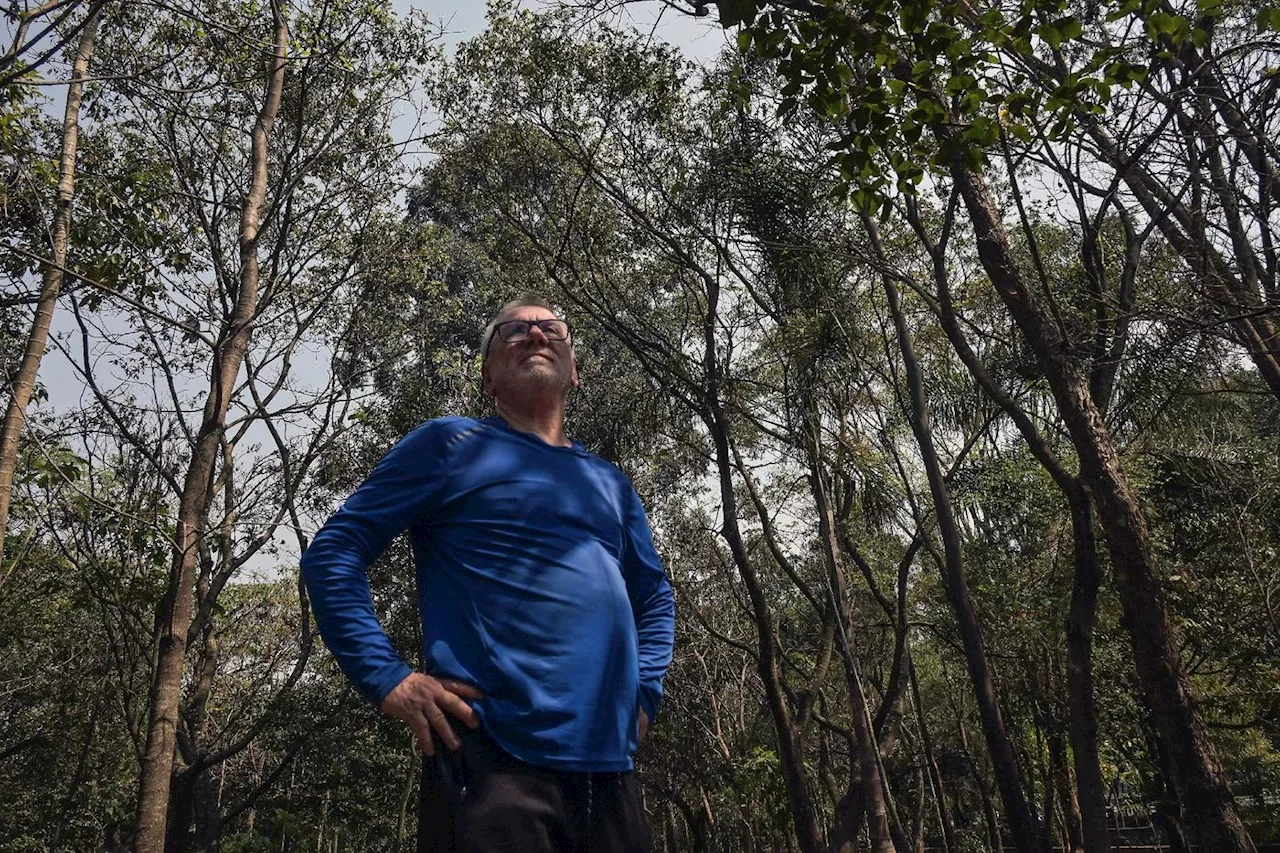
column 952, row 111
column 24, row 381
column 266, row 283
column 174, row 614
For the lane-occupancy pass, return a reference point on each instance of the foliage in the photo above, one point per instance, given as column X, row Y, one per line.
column 739, row 360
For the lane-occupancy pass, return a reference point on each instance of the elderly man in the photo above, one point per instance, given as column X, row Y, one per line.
column 547, row 619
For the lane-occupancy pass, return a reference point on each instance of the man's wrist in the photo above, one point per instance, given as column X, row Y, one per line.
column 381, row 686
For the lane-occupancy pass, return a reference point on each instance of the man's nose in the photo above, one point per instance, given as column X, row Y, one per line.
column 542, row 336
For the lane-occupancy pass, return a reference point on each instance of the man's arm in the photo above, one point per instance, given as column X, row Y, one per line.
column 653, row 605
column 405, row 484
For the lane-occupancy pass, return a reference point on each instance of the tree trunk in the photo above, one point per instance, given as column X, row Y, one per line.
column 697, row 819
column 406, row 794
column 848, row 814
column 324, row 817
column 204, row 810
column 704, row 827
column 1048, row 815
column 1082, row 711
column 1070, row 808
column 1086, row 574
column 949, row 844
column 1026, row 829
column 177, row 826
column 1167, row 811
column 1197, row 771
column 917, row 815
column 874, row 803
column 77, row 776
column 193, row 822
column 671, row 841
column 989, row 815
column 789, row 748
column 175, row 609
column 24, row 383
column 876, row 809
column 994, row 840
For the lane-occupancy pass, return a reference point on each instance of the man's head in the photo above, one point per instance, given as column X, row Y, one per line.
column 527, row 348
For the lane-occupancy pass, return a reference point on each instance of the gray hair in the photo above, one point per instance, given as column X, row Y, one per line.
column 524, row 300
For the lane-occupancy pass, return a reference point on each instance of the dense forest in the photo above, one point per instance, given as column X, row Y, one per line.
column 941, row 339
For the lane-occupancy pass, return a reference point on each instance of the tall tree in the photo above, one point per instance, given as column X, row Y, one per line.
column 53, row 268
column 173, row 616
column 909, row 76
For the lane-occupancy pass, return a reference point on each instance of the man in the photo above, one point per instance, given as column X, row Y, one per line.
column 547, row 618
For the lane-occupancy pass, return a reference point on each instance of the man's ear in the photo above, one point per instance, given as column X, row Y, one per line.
column 486, row 381
column 573, row 375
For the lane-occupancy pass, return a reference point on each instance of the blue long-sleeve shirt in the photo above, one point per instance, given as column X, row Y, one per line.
column 538, row 583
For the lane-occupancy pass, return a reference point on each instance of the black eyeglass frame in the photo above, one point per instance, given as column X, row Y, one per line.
column 500, row 333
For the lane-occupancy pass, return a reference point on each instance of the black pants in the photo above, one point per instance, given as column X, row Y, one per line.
column 482, row 800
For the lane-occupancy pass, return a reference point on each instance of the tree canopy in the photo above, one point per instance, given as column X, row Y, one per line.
column 940, row 340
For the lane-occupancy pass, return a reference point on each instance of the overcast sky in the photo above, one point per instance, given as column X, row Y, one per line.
column 700, row 39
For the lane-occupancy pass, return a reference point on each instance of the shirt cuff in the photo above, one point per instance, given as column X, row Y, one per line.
column 385, row 681
column 649, row 702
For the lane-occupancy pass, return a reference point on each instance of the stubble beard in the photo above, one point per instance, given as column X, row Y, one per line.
column 540, row 375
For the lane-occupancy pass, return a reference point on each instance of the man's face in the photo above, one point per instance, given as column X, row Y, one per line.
column 536, row 363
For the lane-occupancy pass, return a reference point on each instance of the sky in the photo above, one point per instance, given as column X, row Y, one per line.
column 699, row 38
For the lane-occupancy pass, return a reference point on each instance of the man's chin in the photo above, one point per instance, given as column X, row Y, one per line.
column 540, row 373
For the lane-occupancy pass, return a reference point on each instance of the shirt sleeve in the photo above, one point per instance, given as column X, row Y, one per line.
column 652, row 603
column 335, row 567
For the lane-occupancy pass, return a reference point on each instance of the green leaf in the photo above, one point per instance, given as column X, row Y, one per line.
column 992, row 18
column 736, row 12
column 960, row 83
column 1174, row 27
column 1269, row 20
column 959, row 49
column 1051, row 35
column 1127, row 8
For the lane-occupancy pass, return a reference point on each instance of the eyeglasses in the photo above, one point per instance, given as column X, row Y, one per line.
column 514, row 331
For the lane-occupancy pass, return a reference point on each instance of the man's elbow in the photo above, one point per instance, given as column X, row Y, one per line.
column 320, row 562
column 309, row 562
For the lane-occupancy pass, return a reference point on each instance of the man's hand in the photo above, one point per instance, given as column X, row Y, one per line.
column 644, row 724
column 422, row 701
